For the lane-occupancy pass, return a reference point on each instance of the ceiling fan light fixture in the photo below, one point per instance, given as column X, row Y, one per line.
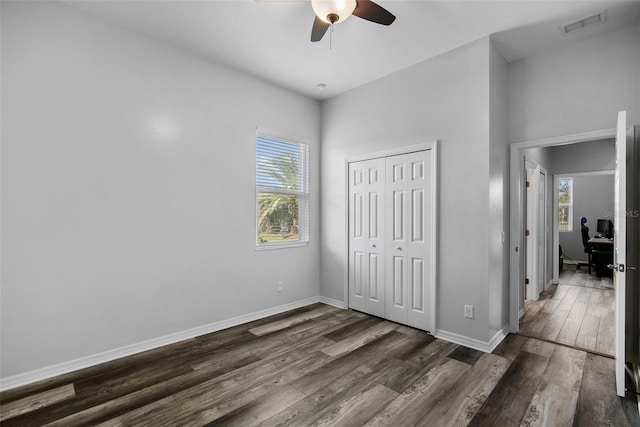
column 333, row 11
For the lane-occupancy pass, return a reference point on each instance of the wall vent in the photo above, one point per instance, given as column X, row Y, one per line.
column 587, row 21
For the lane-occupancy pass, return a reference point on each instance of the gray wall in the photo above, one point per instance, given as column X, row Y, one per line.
column 446, row 99
column 593, row 194
column 575, row 88
column 593, row 199
column 128, row 192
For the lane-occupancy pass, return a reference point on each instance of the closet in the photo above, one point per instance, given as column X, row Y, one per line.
column 391, row 237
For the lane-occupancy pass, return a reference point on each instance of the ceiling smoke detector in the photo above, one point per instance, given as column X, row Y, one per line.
column 585, row 22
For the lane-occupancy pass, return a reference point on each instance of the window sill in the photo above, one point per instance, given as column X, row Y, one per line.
column 268, row 247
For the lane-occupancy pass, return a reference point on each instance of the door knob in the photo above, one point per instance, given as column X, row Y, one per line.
column 373, row 246
column 398, row 248
column 617, row 267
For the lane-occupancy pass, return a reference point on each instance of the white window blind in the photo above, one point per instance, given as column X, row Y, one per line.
column 282, row 191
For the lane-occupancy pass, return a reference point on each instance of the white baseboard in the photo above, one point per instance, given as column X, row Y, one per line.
column 109, row 355
column 486, row 346
column 332, row 302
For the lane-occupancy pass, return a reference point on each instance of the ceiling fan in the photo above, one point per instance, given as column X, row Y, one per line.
column 330, row 12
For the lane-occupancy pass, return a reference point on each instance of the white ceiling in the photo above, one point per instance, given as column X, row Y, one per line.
column 270, row 39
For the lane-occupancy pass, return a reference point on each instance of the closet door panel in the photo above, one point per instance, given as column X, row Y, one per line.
column 418, row 246
column 397, row 286
column 366, row 240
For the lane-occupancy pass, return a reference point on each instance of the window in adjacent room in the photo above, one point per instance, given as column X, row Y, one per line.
column 565, row 204
column 282, row 192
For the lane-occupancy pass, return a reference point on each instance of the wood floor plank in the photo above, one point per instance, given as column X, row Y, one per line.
column 597, row 403
column 321, row 377
column 414, row 403
column 551, row 405
column 588, row 333
column 304, row 411
column 291, row 320
column 511, row 346
column 569, row 331
column 210, row 400
column 584, row 296
column 36, row 401
column 605, row 343
column 466, row 355
column 541, row 348
column 161, row 391
column 468, row 394
column 360, row 339
column 357, row 409
column 554, row 325
column 510, row 398
column 565, row 367
column 347, row 331
column 257, row 411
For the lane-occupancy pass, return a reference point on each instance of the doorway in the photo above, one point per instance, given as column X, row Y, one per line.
column 578, row 308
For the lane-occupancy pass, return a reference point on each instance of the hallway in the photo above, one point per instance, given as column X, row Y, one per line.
column 578, row 312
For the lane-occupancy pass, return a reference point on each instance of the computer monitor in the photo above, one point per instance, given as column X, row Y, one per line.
column 605, row 228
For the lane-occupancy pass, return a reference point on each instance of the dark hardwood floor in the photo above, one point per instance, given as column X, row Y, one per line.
column 319, row 365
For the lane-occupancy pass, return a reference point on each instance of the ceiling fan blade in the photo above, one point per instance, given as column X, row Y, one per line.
column 366, row 9
column 319, row 29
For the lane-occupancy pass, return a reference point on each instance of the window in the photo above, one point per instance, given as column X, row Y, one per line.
column 565, row 204
column 282, row 192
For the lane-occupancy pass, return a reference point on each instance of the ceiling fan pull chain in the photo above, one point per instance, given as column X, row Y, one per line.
column 331, row 38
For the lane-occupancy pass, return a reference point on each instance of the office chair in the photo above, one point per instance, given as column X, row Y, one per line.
column 584, row 230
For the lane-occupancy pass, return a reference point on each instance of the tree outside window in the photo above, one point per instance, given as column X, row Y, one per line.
column 281, row 192
column 565, row 204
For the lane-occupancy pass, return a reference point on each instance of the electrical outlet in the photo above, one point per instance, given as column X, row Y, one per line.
column 279, row 287
column 468, row 311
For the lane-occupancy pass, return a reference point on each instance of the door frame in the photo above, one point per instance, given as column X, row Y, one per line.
column 430, row 145
column 517, row 186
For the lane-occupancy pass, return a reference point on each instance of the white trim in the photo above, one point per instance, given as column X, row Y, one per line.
column 333, row 302
column 279, row 135
column 521, row 313
column 587, row 173
column 436, row 235
column 430, row 145
column 516, row 211
column 129, row 350
column 393, row 152
column 485, row 346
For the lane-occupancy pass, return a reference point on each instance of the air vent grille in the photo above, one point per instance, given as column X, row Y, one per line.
column 584, row 22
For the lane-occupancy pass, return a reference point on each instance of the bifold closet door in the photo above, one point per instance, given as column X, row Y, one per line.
column 366, row 236
column 408, row 238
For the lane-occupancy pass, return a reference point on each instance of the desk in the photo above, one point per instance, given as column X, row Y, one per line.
column 601, row 255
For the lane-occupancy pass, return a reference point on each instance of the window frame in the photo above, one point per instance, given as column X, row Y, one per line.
column 302, row 193
column 569, row 206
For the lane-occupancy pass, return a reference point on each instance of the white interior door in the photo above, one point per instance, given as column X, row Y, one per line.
column 366, row 234
column 623, row 139
column 408, row 245
column 532, row 291
column 541, row 240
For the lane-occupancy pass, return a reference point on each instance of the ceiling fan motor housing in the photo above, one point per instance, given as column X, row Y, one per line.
column 333, row 11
